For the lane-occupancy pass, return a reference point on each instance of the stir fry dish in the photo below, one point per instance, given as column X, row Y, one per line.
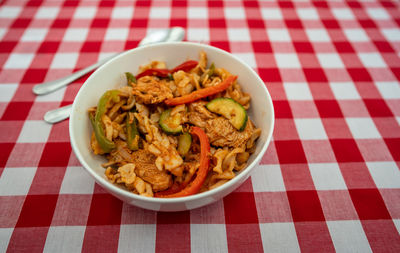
column 174, row 132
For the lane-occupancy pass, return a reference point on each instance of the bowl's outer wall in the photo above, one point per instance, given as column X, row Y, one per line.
column 111, row 75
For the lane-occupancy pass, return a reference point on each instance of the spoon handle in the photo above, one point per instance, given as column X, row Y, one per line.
column 57, row 115
column 47, row 87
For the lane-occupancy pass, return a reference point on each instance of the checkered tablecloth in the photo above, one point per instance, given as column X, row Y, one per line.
column 329, row 180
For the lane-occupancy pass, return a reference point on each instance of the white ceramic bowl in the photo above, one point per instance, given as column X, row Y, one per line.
column 111, row 75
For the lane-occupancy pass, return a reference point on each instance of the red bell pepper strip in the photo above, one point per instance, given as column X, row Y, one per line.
column 186, row 66
column 195, row 186
column 202, row 93
column 154, row 72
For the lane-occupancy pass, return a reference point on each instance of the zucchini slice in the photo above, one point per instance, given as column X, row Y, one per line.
column 170, row 124
column 231, row 110
column 184, row 143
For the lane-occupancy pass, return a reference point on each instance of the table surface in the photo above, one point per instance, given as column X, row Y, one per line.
column 329, row 180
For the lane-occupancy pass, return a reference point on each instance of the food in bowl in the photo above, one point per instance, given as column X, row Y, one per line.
column 174, row 132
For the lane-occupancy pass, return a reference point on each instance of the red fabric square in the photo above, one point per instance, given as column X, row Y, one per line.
column 37, row 211
column 331, row 24
column 377, row 108
column 217, row 23
column 100, row 23
column 34, row 76
column 346, row 150
column 396, row 72
column 240, row 208
column 374, row 150
column 270, row 75
column 337, row 205
column 251, row 4
column 173, row 217
column 320, row 4
column 110, row 207
column 382, row 235
column 101, row 238
column 344, row 47
column 49, row 47
column 294, row 23
column 21, row 23
column 285, row 129
column 91, row 47
column 143, row 3
column 10, row 130
column 210, row 214
column 68, row 213
column 178, row 22
column 356, row 175
column 55, row 154
column 136, row 215
column 255, row 23
column 384, row 46
column 314, row 237
column 369, row 204
column 262, row 47
column 221, row 44
column 392, row 198
column 315, row 75
column 367, row 23
column 328, row 108
column 172, row 238
column 17, row 111
column 5, row 149
column 272, row 207
column 354, row 4
column 290, row 151
column 359, row 74
column 41, row 183
column 71, row 3
column 303, row 47
column 7, row 46
column 31, row 239
column 10, row 207
column 318, row 151
column 286, row 4
column 61, row 23
column 34, row 3
column 297, row 177
column 305, row 206
column 216, row 3
column 179, row 3
column 244, row 238
column 25, row 155
column 394, row 147
column 138, row 23
column 106, row 3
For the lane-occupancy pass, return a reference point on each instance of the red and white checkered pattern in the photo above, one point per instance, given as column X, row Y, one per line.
column 330, row 179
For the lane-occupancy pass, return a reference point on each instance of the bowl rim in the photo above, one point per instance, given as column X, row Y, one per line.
column 127, row 194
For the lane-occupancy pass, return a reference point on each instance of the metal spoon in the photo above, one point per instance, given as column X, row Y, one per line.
column 59, row 114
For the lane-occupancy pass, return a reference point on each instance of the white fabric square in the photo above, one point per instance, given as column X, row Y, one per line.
column 247, row 58
column 377, row 13
column 85, row 12
column 140, row 237
column 356, row 35
column 34, row 34
column 271, row 13
column 204, row 237
column 297, row 91
column 117, row 34
column 64, row 239
column 307, row 13
column 287, row 60
column 267, row 178
column 344, row 90
column 318, row 35
column 278, row 35
column 76, row 34
column 77, row 181
column 7, row 92
column 64, row 60
column 2, row 32
column 160, row 12
column 55, row 96
column 348, row 236
column 342, row 13
column 310, row 129
column 385, row 174
column 279, row 237
column 362, row 128
column 391, row 34
column 9, row 12
column 18, row 61
column 47, row 12
column 238, row 34
column 372, row 60
column 12, row 183
column 397, row 224
column 5, row 235
column 198, row 34
column 34, row 131
column 197, row 12
column 234, row 13
column 122, row 12
column 330, row 60
column 389, row 90
column 327, row 176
